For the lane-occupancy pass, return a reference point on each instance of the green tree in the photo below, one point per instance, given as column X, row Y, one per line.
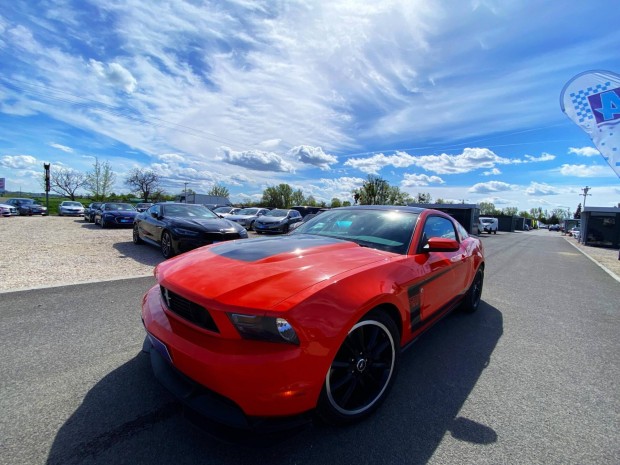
column 297, row 198
column 100, row 180
column 510, row 211
column 278, row 196
column 423, row 197
column 374, row 191
column 336, row 203
column 65, row 181
column 488, row 208
column 346, row 203
column 311, row 201
column 145, row 183
column 398, row 197
column 219, row 191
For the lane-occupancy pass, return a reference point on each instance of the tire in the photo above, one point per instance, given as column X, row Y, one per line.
column 136, row 235
column 102, row 222
column 258, row 232
column 285, row 229
column 166, row 245
column 471, row 302
column 363, row 371
column 251, row 228
column 495, row 232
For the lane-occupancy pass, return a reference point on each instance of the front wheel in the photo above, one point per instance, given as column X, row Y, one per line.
column 362, row 372
column 136, row 235
column 474, row 293
column 166, row 245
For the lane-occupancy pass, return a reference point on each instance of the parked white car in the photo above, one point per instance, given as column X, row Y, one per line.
column 8, row 210
column 70, row 208
column 489, row 225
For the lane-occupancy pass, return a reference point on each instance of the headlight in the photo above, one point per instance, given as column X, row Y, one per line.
column 264, row 328
column 185, row 232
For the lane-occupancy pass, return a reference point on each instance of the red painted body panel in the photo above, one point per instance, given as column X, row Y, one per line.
column 321, row 291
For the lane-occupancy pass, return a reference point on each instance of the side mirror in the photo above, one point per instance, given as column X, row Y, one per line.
column 441, row 244
column 155, row 215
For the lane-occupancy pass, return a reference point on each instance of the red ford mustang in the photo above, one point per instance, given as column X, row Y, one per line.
column 267, row 331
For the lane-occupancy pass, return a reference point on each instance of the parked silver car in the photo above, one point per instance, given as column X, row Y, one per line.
column 277, row 221
column 247, row 216
column 7, row 210
column 70, row 208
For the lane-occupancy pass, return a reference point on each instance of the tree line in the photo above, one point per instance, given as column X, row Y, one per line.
column 147, row 185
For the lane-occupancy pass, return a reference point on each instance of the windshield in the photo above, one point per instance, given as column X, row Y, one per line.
column 486, row 220
column 72, row 204
column 247, row 211
column 277, row 212
column 222, row 210
column 118, row 206
column 390, row 231
column 188, row 211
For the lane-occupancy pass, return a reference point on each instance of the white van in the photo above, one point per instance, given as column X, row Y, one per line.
column 489, row 225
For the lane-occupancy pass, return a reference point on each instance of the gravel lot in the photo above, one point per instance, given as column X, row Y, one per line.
column 53, row 251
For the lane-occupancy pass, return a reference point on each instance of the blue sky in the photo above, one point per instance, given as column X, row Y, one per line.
column 457, row 98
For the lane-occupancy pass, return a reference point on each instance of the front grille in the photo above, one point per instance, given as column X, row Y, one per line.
column 188, row 310
column 218, row 237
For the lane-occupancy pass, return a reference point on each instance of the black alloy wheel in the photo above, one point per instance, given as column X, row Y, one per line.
column 362, row 372
column 166, row 245
column 474, row 293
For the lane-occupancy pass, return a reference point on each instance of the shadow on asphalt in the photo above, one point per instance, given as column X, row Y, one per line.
column 127, row 417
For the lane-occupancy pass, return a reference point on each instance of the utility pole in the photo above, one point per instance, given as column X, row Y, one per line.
column 585, row 191
column 185, row 192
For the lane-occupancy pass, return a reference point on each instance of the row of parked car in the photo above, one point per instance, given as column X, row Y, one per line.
column 179, row 227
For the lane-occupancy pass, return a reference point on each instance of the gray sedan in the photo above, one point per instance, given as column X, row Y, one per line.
column 247, row 216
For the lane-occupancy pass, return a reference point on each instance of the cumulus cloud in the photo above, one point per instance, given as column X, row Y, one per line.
column 257, row 160
column 64, row 148
column 116, row 74
column 313, row 156
column 418, row 180
column 536, row 188
column 18, row 161
column 171, row 157
column 491, row 186
column 470, row 159
column 493, row 172
column 584, row 151
column 585, row 171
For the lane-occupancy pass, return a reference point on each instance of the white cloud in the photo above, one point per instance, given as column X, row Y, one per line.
column 584, row 171
column 313, row 156
column 543, row 157
column 584, row 151
column 257, row 160
column 18, row 162
column 491, row 186
column 537, row 188
column 116, row 74
column 64, row 148
column 493, row 172
column 418, row 180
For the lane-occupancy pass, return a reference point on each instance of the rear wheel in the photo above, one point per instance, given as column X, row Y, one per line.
column 362, row 372
column 166, row 245
column 474, row 293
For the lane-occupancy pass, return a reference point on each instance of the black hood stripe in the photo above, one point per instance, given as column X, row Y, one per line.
column 259, row 249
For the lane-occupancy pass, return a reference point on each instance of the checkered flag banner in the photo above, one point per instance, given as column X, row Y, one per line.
column 592, row 101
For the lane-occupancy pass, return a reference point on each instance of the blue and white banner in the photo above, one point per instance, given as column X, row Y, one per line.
column 592, row 101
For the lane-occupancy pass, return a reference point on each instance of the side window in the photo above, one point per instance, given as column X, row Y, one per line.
column 463, row 233
column 154, row 209
column 438, row 226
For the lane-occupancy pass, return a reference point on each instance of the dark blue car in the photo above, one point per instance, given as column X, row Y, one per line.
column 115, row 214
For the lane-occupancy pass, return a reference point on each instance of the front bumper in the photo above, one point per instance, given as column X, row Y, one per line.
column 266, row 227
column 260, row 379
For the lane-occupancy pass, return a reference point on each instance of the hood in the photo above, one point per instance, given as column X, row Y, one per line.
column 260, row 273
column 120, row 212
column 271, row 219
column 209, row 224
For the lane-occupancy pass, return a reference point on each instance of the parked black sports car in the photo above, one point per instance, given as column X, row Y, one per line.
column 115, row 214
column 179, row 227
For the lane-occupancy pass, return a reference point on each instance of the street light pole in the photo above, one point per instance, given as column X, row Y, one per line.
column 185, row 192
column 585, row 191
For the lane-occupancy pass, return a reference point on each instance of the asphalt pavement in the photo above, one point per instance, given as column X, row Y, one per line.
column 531, row 378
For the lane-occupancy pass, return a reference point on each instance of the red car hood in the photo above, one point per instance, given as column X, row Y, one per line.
column 260, row 273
